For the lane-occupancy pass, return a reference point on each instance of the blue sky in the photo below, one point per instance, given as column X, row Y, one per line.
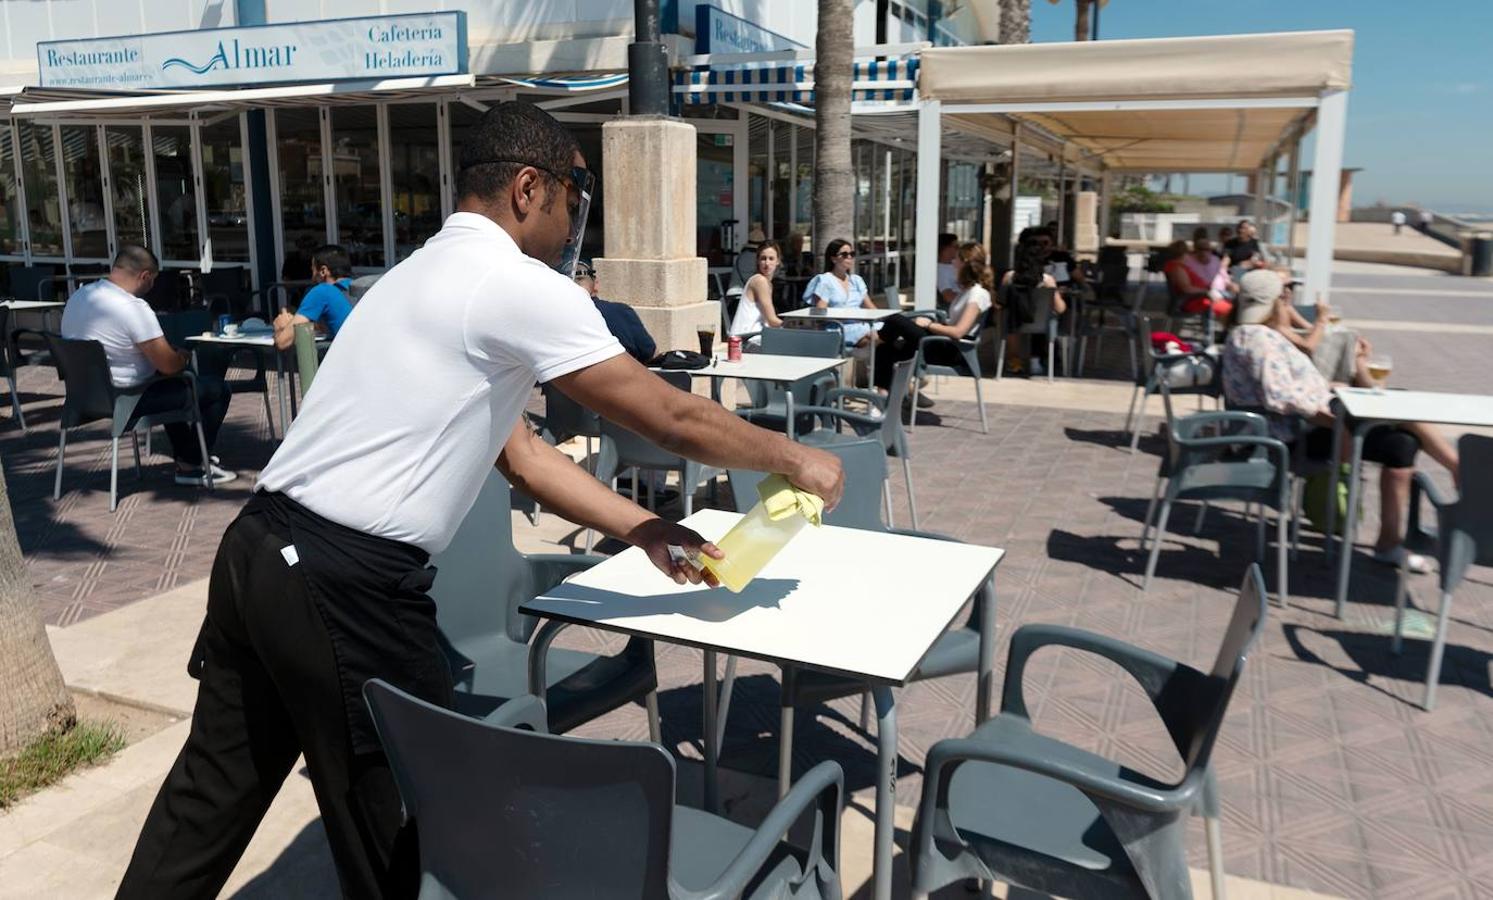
column 1420, row 117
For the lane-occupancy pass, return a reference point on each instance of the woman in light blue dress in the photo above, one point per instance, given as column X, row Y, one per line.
column 839, row 286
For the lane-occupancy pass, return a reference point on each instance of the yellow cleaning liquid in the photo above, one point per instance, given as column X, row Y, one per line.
column 750, row 545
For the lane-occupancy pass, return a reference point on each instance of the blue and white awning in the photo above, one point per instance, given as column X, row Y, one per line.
column 891, row 80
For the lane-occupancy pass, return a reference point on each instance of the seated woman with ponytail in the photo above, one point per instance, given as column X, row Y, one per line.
column 901, row 335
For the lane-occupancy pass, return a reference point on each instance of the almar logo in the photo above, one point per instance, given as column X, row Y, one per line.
column 235, row 55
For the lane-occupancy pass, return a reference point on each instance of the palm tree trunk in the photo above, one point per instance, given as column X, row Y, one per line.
column 1016, row 21
column 33, row 698
column 834, row 185
column 1081, row 27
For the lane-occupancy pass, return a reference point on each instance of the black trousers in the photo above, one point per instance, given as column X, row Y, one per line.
column 899, row 340
column 281, row 670
column 212, row 404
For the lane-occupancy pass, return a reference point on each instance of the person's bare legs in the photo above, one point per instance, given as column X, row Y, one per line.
column 1435, row 443
column 1394, row 500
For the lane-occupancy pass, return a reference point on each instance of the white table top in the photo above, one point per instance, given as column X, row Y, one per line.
column 1417, row 406
column 858, row 603
column 843, row 314
column 768, row 367
column 23, row 305
column 256, row 339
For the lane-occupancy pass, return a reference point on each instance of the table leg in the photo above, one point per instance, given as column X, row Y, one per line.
column 985, row 688
column 789, row 682
column 886, row 791
column 1337, row 454
column 788, row 407
column 712, row 786
column 280, row 383
column 870, row 365
column 1350, row 518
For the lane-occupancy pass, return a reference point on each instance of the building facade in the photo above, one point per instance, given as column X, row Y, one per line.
column 89, row 160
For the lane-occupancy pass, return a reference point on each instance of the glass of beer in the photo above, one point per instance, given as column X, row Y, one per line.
column 1380, row 365
column 707, row 340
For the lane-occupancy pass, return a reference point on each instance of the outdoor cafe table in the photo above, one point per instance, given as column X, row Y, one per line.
column 1365, row 408
column 262, row 343
column 45, row 307
column 843, row 314
column 816, row 606
column 771, row 367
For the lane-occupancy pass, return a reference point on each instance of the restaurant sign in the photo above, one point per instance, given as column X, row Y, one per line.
column 400, row 46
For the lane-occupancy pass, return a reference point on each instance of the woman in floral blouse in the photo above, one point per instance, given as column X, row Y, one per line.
column 1263, row 369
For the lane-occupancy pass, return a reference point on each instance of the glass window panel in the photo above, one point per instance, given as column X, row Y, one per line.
column 303, row 214
column 415, row 174
column 127, row 183
column 715, row 201
column 10, row 197
column 355, row 179
column 460, row 118
column 39, row 169
column 175, row 194
column 85, row 191
column 803, row 211
column 223, row 189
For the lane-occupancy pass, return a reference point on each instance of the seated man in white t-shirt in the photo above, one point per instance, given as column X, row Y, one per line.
column 111, row 312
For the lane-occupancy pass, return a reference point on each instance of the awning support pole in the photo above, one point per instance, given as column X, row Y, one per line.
column 1327, row 164
column 930, row 138
column 1293, row 196
column 252, row 12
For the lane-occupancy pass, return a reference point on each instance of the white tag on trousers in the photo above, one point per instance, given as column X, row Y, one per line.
column 291, row 557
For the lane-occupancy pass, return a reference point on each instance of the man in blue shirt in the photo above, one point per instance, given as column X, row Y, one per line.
column 622, row 320
column 327, row 304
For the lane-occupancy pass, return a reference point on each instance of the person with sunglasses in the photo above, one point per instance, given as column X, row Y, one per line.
column 622, row 320
column 838, row 286
column 322, row 581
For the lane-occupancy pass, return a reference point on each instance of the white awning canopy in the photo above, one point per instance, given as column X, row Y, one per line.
column 1199, row 104
column 245, row 98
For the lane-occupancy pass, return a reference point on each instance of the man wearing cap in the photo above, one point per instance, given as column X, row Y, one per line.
column 321, row 582
column 1263, row 369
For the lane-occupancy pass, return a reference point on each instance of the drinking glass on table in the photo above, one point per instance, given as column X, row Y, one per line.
column 707, row 340
column 1380, row 365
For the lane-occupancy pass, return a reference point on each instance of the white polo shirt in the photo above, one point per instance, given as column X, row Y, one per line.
column 105, row 312
column 426, row 381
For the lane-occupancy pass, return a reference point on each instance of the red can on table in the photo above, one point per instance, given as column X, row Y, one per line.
column 733, row 349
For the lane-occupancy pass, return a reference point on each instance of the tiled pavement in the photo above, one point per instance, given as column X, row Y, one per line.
column 1332, row 778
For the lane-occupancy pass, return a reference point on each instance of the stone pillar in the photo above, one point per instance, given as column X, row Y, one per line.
column 650, row 262
column 1086, row 224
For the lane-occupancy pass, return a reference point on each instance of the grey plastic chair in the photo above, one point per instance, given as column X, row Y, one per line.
column 92, row 396
column 1044, row 321
column 1222, row 455
column 1195, row 373
column 504, row 809
column 622, row 450
column 769, row 407
column 955, row 652
column 565, row 419
column 306, row 358
column 481, row 581
column 1009, row 804
column 888, row 426
column 968, row 366
column 10, row 372
column 1463, row 538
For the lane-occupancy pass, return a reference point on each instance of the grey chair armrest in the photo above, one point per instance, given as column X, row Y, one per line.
column 1150, row 670
column 930, row 340
column 521, row 712
column 1254, row 424
column 1418, row 536
column 855, row 419
column 186, row 375
column 1241, row 440
column 875, row 398
column 549, row 569
column 821, row 786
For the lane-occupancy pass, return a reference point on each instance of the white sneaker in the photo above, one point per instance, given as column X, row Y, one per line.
column 191, row 477
column 1397, row 555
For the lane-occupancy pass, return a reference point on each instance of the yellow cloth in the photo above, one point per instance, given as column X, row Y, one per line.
column 781, row 499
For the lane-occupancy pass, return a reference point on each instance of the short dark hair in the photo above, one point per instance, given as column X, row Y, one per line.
column 946, row 240
column 135, row 258
column 515, row 134
column 333, row 257
column 773, row 245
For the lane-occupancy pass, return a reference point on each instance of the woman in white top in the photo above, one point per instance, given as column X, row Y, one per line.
column 754, row 310
column 900, row 335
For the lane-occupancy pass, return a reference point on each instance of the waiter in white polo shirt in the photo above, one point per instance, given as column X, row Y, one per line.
column 321, row 582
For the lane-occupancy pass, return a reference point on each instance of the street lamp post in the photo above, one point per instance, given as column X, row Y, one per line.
column 647, row 63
